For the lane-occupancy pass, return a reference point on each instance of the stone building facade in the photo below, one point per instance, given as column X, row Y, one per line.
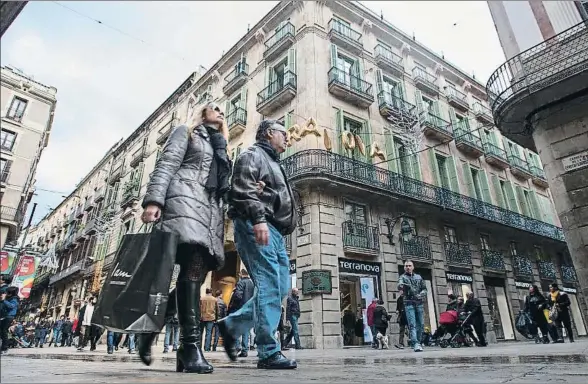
column 395, row 157
column 27, row 109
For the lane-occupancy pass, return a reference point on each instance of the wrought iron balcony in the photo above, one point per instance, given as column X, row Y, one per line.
column 519, row 167
column 130, row 193
column 116, row 172
column 350, row 88
column 80, row 211
column 277, row 93
column 138, row 155
column 538, row 176
column 546, row 270
column 164, row 131
column 318, row 164
column 360, row 238
column 72, row 217
column 568, row 274
column 90, row 227
column 69, row 271
column 495, row 155
column 483, row 113
column 89, row 204
column 395, row 107
column 237, row 122
column 279, row 41
column 99, row 194
column 43, row 277
column 425, row 81
column 544, row 74
column 4, row 176
column 522, row 267
column 458, row 253
column 457, row 98
column 387, row 59
column 236, row 78
column 418, row 248
column 436, row 127
column 493, row 260
column 345, row 36
column 10, row 214
column 467, row 141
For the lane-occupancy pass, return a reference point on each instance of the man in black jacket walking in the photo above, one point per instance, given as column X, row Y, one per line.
column 292, row 315
column 242, row 294
column 261, row 220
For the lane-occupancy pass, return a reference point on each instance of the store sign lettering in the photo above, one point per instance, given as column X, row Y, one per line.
column 577, row 161
column 458, row 277
column 522, row 284
column 358, row 267
column 569, row 290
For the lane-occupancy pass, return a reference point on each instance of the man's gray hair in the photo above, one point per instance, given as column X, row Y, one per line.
column 263, row 127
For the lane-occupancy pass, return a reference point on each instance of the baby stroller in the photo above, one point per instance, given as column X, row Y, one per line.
column 455, row 324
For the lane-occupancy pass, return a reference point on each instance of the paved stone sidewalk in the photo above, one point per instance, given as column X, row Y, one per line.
column 514, row 363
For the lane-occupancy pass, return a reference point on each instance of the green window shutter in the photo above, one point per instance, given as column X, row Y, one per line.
column 452, row 169
column 436, row 109
column 534, row 206
column 227, row 108
column 467, row 176
column 402, row 90
column 418, row 100
column 366, row 136
column 511, row 198
column 292, row 60
column 546, row 209
column 494, row 138
column 359, row 68
column 434, row 168
column 115, row 193
column 333, row 55
column 379, row 80
column 243, row 101
column 520, row 196
column 452, row 118
column 485, row 187
column 267, row 77
column 138, row 180
column 339, row 137
column 415, row 165
column 498, row 192
column 391, row 152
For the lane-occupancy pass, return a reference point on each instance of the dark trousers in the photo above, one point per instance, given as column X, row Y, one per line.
column 564, row 320
column 66, row 339
column 4, row 325
column 542, row 324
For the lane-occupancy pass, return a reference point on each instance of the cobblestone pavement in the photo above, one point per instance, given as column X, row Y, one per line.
column 500, row 363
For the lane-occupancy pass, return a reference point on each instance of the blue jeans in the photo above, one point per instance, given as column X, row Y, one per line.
column 208, row 325
column 245, row 341
column 268, row 267
column 294, row 331
column 169, row 328
column 56, row 336
column 131, row 341
column 415, row 316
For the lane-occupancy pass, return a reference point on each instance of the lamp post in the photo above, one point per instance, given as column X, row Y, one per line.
column 406, row 231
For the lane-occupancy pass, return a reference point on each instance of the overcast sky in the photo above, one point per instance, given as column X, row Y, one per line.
column 108, row 83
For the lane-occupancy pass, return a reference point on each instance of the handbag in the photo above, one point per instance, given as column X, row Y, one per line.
column 135, row 294
column 553, row 313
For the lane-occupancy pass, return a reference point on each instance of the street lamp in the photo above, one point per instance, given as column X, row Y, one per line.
column 406, row 230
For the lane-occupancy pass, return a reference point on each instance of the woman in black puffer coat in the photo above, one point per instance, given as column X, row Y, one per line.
column 381, row 319
column 535, row 303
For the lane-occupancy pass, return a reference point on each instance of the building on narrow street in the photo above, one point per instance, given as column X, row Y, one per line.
column 395, row 156
column 540, row 100
column 27, row 108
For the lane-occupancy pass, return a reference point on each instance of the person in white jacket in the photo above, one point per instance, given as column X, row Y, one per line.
column 85, row 322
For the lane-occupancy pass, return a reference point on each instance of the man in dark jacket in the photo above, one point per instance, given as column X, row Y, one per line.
column 474, row 307
column 292, row 315
column 261, row 220
column 401, row 320
column 221, row 312
column 66, row 332
column 415, row 291
column 243, row 292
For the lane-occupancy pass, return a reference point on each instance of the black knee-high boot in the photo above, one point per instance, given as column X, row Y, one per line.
column 146, row 340
column 189, row 356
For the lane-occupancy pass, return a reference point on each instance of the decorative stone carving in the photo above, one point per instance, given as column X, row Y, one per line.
column 405, row 49
column 216, row 75
column 367, row 25
column 260, row 35
column 467, row 86
column 439, row 69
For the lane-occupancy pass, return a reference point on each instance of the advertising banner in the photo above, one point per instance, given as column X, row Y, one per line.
column 24, row 275
column 7, row 261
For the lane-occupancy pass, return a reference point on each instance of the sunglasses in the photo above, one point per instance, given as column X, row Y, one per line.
column 216, row 108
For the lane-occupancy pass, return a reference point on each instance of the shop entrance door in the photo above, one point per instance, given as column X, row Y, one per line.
column 356, row 293
column 576, row 315
column 499, row 310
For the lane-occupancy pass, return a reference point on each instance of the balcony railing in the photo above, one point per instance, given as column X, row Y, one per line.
column 89, row 204
column 164, row 131
column 80, row 211
column 435, row 126
column 10, row 214
column 418, row 247
column 568, row 274
column 4, row 176
column 116, row 172
column 137, row 156
column 343, row 84
column 131, row 192
column 283, row 37
column 386, row 100
column 422, row 77
column 385, row 57
column 538, row 175
column 360, row 236
column 493, row 260
column 75, row 267
column 236, row 78
column 519, row 166
column 457, row 98
column 238, row 116
column 467, row 140
column 494, row 150
column 99, row 194
column 546, row 270
column 283, row 86
column 482, row 112
column 317, row 163
column 522, row 266
column 541, row 66
column 344, row 35
column 458, row 253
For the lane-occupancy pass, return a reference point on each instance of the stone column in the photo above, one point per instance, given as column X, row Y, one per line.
column 559, row 134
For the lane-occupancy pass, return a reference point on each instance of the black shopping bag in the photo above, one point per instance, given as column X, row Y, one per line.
column 134, row 296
